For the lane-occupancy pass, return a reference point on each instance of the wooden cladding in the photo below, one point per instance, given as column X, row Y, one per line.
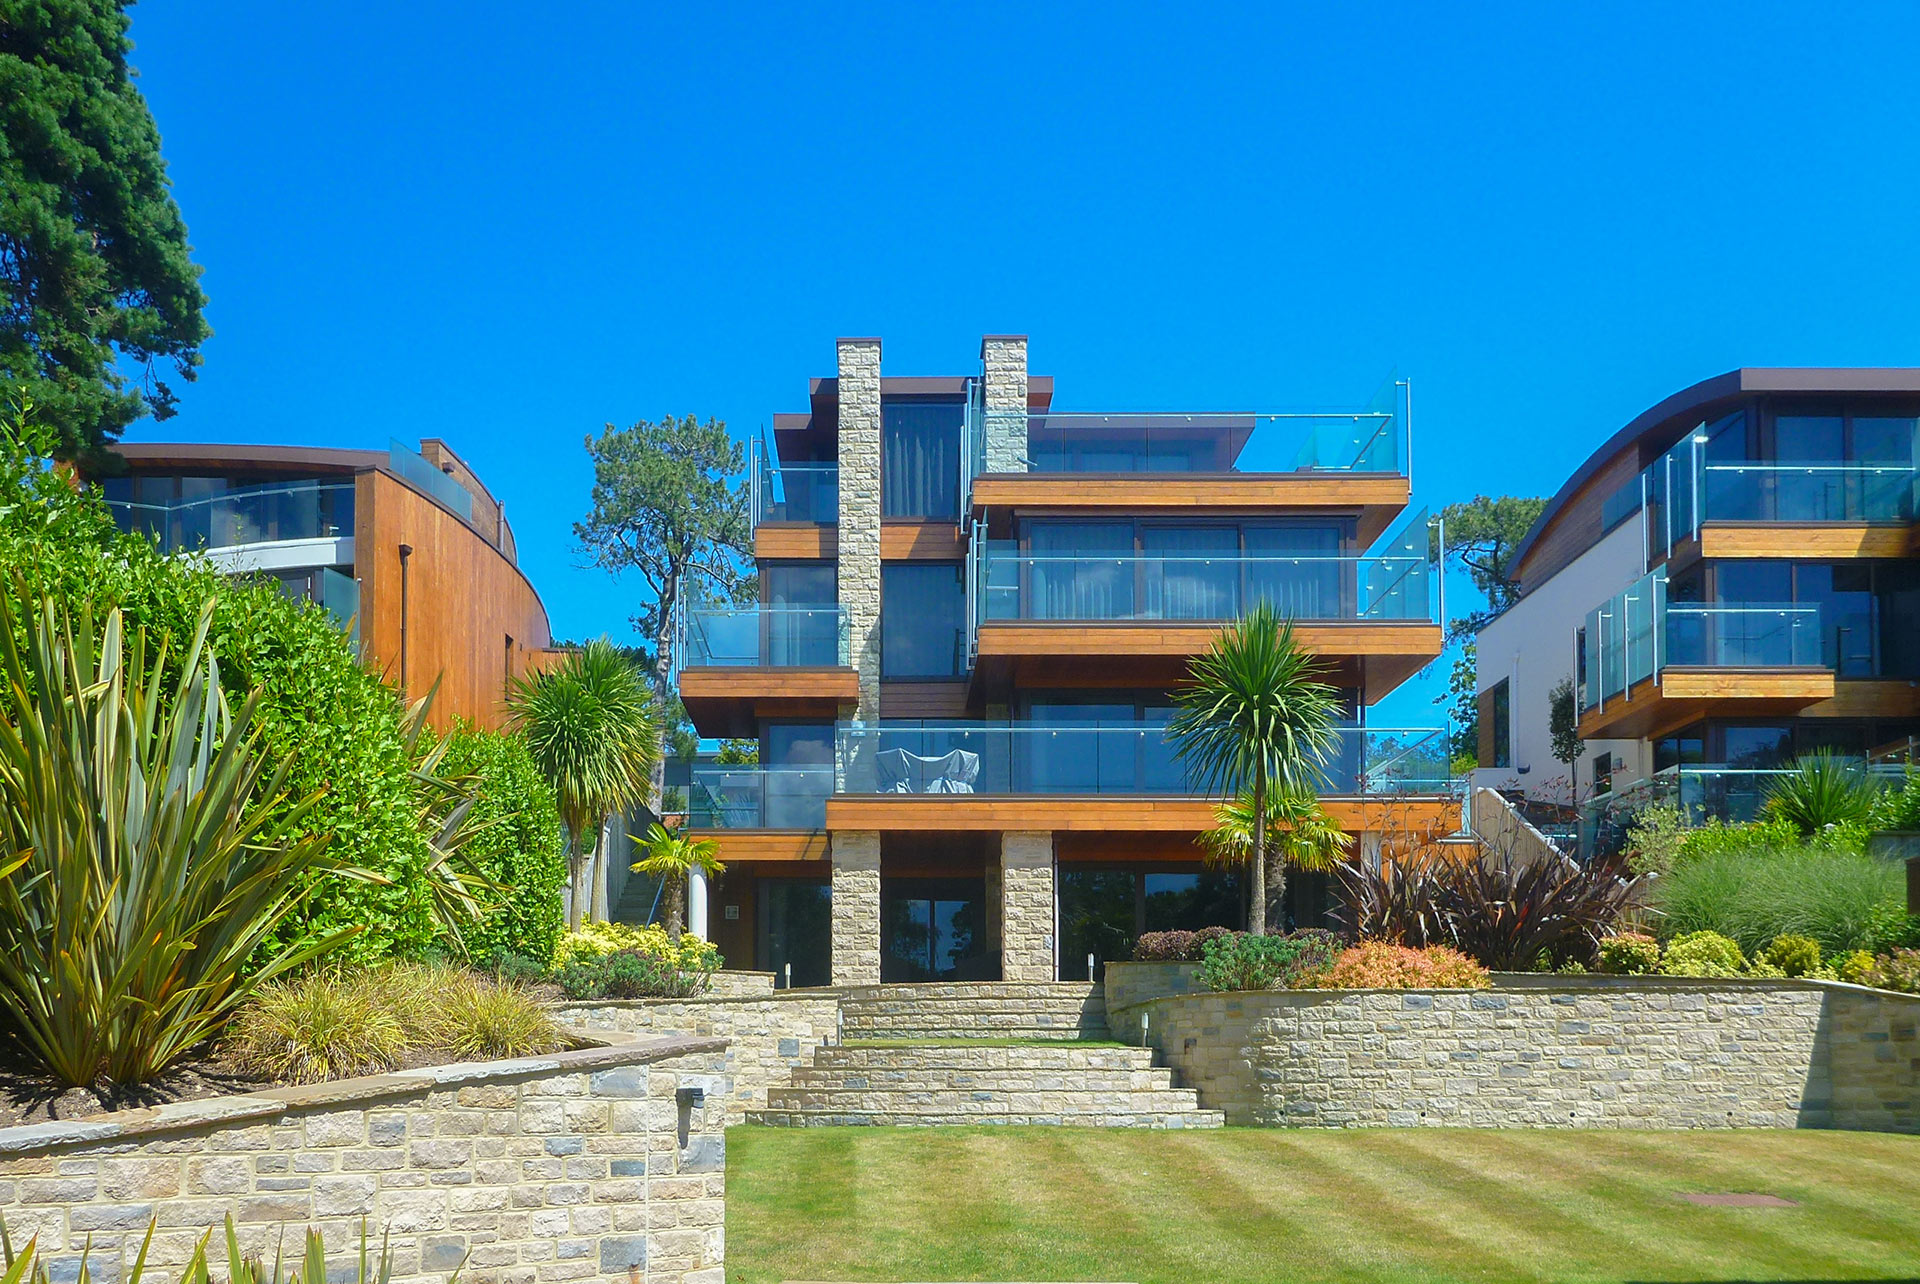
column 1374, row 500
column 773, row 846
column 1827, row 541
column 935, row 541
column 730, row 701
column 1109, row 813
column 1418, row 639
column 923, row 699
column 795, row 543
column 1685, row 695
column 470, row 617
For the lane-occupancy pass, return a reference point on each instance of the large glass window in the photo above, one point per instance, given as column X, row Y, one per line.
column 1500, row 711
column 923, row 620
column 1081, row 570
column 799, row 583
column 795, row 928
column 1103, row 910
column 920, row 458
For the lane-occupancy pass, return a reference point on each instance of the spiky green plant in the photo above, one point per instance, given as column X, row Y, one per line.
column 1300, row 835
column 310, row 1267
column 147, row 853
column 1823, row 790
column 590, row 726
column 1252, row 716
column 671, row 857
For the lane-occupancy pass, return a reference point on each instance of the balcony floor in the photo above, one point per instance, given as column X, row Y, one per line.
column 725, row 700
column 1683, row 695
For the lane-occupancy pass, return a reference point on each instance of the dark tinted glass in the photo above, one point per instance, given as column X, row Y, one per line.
column 923, row 620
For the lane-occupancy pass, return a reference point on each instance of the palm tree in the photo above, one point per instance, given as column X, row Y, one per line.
column 590, row 726
column 1253, row 716
column 1300, row 833
column 672, row 858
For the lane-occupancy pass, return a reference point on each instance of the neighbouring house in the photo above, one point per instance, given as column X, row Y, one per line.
column 1730, row 581
column 973, row 606
column 407, row 549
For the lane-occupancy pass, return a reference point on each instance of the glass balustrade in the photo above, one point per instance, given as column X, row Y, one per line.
column 1103, row 758
column 1095, row 587
column 796, row 493
column 764, row 636
column 254, row 515
column 414, row 467
column 1071, row 442
column 1702, row 792
column 1638, row 632
column 756, row 797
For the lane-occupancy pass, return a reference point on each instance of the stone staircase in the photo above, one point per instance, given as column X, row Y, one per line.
column 975, row 1010
column 937, row 1055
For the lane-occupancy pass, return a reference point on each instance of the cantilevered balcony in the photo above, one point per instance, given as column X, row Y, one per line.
column 794, row 506
column 1649, row 664
column 739, row 663
column 1358, row 460
column 1374, row 618
column 999, row 775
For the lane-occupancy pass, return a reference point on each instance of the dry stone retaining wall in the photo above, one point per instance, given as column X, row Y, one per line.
column 588, row 1165
column 1603, row 1052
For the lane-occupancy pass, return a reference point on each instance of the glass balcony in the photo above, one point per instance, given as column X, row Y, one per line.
column 1102, row 758
column 1637, row 633
column 414, row 467
column 1702, row 792
column 254, row 515
column 755, row 797
column 792, row 492
column 1065, row 442
column 1185, row 587
column 763, row 636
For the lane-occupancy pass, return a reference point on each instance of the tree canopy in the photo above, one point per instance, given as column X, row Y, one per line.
column 94, row 259
column 1482, row 535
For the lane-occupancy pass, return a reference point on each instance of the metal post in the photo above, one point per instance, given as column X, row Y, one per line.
column 1441, row 563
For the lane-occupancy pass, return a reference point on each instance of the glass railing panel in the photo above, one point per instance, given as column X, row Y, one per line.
column 1836, row 492
column 755, row 797
column 1074, row 442
column 799, row 493
column 766, row 636
column 1103, row 758
column 255, row 515
column 340, row 594
column 1100, row 587
column 1747, row 635
column 413, row 467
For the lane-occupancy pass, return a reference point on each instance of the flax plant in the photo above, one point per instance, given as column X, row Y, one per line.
column 148, row 851
column 1254, row 717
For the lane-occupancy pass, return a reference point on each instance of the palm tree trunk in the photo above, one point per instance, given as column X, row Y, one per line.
column 583, row 874
column 1277, row 892
column 676, row 906
column 574, row 908
column 603, row 853
column 1257, row 909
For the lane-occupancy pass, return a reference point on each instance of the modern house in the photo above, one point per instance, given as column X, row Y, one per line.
column 973, row 607
column 1732, row 580
column 407, row 549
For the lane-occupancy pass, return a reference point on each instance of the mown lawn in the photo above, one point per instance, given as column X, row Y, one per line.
column 875, row 1204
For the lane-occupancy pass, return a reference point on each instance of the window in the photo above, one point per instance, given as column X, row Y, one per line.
column 1500, row 715
column 920, row 458
column 923, row 620
column 800, row 584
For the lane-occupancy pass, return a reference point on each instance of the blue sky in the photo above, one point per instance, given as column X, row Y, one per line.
column 509, row 225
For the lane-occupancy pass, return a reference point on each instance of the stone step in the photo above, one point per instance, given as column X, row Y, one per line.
column 985, row 1099
column 969, row 1078
column 1058, row 1010
column 1168, row 1119
column 1055, row 1056
column 923, row 991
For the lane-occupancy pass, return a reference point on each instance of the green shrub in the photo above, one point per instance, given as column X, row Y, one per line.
column 1793, row 954
column 510, row 968
column 1754, row 895
column 597, row 940
column 1655, row 837
column 516, row 844
column 483, row 1021
column 1899, row 970
column 1890, row 927
column 1245, row 962
column 334, row 726
column 1702, row 954
column 1629, row 954
column 1823, row 791
column 1857, row 967
column 1717, row 838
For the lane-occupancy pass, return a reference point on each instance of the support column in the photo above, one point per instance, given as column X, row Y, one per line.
column 856, row 907
column 859, row 533
column 697, row 903
column 1003, row 362
column 1027, row 908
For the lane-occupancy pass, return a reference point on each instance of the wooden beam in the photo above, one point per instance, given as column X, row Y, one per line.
column 767, row 846
column 795, row 542
column 909, row 541
column 1785, row 540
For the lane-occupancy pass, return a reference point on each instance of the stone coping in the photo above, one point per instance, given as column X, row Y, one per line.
column 1537, row 982
column 612, row 1048
column 717, row 1000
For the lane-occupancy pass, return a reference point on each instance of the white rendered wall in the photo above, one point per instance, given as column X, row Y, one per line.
column 1531, row 646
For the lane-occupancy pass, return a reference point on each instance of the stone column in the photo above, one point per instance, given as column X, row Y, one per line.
column 1003, row 361
column 859, row 534
column 856, row 907
column 1026, row 907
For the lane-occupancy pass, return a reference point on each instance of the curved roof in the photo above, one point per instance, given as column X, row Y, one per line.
column 1686, row 408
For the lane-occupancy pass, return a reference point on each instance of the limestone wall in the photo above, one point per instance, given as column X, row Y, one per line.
column 1636, row 1052
column 768, row 1037
column 587, row 1165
